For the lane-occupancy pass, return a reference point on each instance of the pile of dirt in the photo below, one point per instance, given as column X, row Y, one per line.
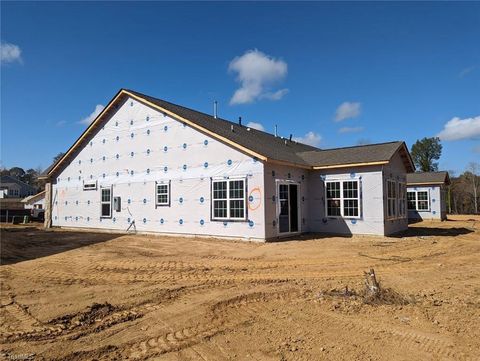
column 95, row 312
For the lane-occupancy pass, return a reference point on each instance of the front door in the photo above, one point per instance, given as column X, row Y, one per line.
column 288, row 214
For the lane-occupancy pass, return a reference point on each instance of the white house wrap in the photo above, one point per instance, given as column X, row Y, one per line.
column 152, row 166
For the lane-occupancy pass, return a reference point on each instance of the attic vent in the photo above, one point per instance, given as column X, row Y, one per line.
column 90, row 186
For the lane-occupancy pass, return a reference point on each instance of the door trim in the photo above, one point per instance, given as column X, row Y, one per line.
column 278, row 182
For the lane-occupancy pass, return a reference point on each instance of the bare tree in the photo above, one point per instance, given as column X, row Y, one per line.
column 473, row 168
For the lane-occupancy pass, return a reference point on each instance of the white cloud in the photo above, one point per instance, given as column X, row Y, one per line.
column 348, row 110
column 93, row 115
column 457, row 129
column 350, row 130
column 257, row 73
column 60, row 123
column 311, row 138
column 256, row 126
column 466, row 71
column 10, row 53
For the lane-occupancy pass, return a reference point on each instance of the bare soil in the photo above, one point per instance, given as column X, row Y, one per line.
column 83, row 296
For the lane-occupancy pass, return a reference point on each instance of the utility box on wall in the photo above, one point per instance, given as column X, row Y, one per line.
column 117, row 204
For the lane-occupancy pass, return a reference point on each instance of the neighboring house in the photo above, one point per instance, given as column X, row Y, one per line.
column 153, row 166
column 427, row 194
column 14, row 188
column 37, row 201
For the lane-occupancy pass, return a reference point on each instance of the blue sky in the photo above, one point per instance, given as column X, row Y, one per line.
column 333, row 74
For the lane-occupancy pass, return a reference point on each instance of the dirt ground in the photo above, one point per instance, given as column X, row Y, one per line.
column 82, row 296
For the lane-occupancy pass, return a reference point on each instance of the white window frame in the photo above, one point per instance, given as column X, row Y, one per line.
column 417, row 201
column 392, row 200
column 102, row 202
column 162, row 204
column 423, row 200
column 228, row 199
column 90, row 186
column 342, row 198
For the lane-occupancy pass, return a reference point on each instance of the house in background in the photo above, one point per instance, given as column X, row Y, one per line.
column 427, row 194
column 37, row 201
column 153, row 166
column 12, row 187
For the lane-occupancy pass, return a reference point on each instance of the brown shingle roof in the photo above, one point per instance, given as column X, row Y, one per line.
column 359, row 154
column 428, row 178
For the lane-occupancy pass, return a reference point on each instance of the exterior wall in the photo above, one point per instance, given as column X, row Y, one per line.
column 395, row 170
column 273, row 174
column 371, row 195
column 437, row 204
column 188, row 162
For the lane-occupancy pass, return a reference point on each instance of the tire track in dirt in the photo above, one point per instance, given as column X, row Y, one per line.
column 427, row 342
column 223, row 315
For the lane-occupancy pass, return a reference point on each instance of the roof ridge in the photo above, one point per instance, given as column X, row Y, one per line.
column 358, row 146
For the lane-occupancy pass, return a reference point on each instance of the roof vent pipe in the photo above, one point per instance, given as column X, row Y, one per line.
column 276, row 130
column 231, row 128
column 215, row 109
column 240, row 121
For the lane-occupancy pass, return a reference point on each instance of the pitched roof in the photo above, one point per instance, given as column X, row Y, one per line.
column 428, row 178
column 10, row 179
column 265, row 146
column 370, row 153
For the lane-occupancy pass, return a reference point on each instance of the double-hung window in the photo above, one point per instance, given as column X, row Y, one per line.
column 401, row 200
column 229, row 199
column 106, row 202
column 162, row 194
column 343, row 198
column 418, row 200
column 391, row 198
column 423, row 201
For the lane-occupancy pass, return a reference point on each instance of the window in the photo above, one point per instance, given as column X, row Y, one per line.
column 412, row 201
column 343, row 198
column 350, row 199
column 418, row 200
column 90, row 186
column 333, row 199
column 106, row 202
column 228, row 199
column 422, row 201
column 162, row 194
column 391, row 199
column 401, row 200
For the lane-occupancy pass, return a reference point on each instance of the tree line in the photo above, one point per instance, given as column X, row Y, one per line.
column 464, row 191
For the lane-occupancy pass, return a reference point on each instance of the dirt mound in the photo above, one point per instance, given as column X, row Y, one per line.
column 96, row 312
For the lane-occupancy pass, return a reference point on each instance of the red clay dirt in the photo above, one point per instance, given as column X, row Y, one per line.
column 83, row 296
